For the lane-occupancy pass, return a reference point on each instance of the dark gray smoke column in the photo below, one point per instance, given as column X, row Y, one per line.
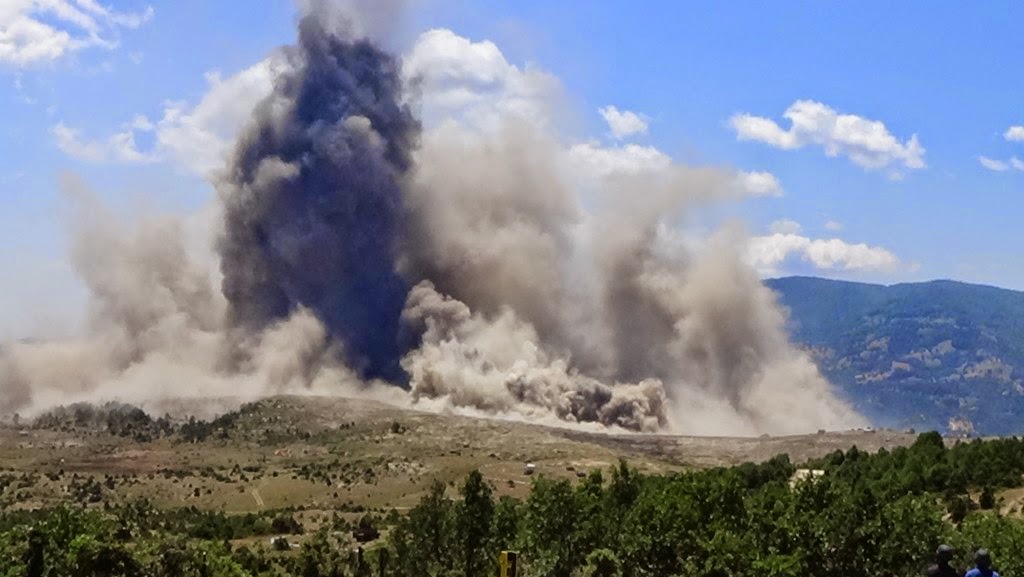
column 313, row 199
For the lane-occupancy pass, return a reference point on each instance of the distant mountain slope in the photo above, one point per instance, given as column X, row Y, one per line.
column 941, row 354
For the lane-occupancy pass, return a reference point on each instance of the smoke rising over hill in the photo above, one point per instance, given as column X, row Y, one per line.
column 313, row 199
column 469, row 265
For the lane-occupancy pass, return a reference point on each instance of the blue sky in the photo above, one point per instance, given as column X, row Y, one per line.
column 946, row 73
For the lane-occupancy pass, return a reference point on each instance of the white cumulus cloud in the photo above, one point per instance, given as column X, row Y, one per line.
column 769, row 253
column 472, row 82
column 785, row 226
column 867, row 143
column 33, row 32
column 833, row 226
column 992, row 164
column 1012, row 134
column 759, row 183
column 594, row 159
column 117, row 148
column 71, row 144
column 1002, row 165
column 196, row 137
column 623, row 123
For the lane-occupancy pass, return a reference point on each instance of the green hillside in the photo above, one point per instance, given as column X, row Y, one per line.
column 941, row 354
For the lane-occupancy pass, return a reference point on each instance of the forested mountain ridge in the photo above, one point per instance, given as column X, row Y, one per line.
column 941, row 354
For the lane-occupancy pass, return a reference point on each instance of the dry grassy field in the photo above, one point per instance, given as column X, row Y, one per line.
column 331, row 454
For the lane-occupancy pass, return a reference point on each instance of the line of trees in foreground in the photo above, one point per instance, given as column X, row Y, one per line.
column 877, row 514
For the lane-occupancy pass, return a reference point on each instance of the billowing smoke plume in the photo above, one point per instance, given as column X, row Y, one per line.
column 497, row 365
column 156, row 327
column 480, row 265
column 313, row 199
column 537, row 304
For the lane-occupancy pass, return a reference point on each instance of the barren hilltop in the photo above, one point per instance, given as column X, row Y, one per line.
column 329, row 452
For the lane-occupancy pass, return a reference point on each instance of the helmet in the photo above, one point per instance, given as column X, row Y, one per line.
column 944, row 553
column 982, row 559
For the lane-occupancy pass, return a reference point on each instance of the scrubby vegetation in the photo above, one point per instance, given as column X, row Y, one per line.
column 868, row 514
column 952, row 347
column 131, row 422
column 117, row 419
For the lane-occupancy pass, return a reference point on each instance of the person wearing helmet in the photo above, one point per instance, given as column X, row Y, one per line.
column 982, row 565
column 942, row 567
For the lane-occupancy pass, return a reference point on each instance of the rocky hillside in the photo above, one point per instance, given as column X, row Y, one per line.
column 941, row 354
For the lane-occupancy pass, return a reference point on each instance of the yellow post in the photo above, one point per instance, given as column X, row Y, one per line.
column 507, row 561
